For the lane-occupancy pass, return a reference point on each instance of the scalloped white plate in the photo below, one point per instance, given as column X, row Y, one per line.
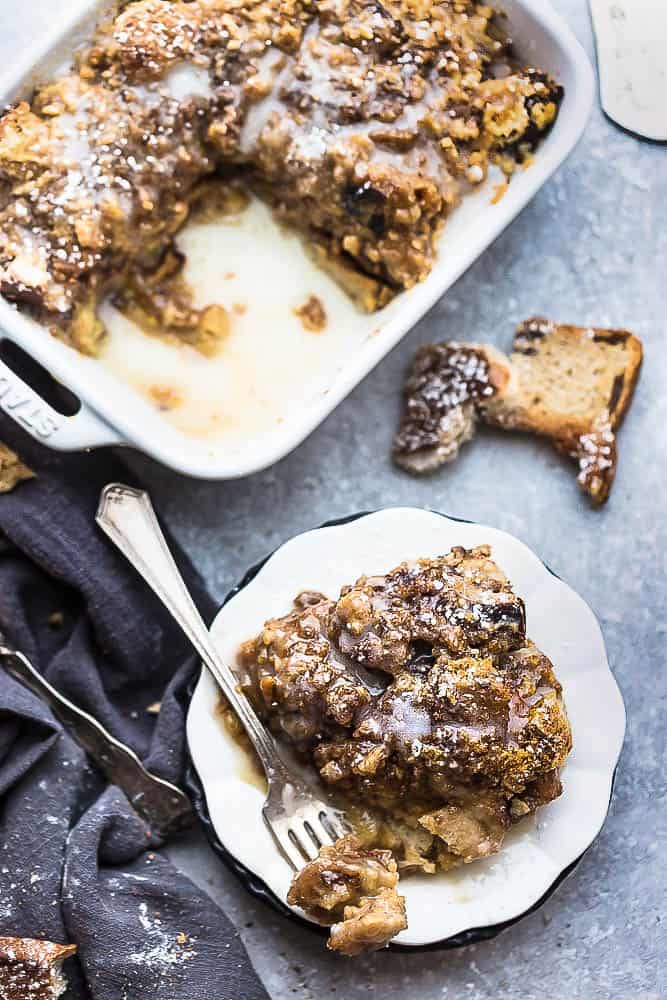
column 537, row 851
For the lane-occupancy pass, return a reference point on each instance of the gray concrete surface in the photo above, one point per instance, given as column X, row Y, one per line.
column 591, row 248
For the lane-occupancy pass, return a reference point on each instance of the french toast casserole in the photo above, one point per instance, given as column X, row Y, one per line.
column 428, row 714
column 361, row 123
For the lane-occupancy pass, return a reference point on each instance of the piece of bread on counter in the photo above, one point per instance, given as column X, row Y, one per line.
column 570, row 384
column 32, row 969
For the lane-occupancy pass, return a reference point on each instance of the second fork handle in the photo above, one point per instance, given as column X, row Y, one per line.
column 127, row 517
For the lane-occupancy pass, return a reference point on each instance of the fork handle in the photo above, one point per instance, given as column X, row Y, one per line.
column 160, row 802
column 126, row 515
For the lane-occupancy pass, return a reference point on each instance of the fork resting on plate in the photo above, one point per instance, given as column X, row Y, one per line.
column 299, row 818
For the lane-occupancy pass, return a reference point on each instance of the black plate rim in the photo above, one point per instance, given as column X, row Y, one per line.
column 260, row 890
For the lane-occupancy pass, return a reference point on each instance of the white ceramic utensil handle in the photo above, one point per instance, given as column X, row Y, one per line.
column 83, row 430
column 126, row 515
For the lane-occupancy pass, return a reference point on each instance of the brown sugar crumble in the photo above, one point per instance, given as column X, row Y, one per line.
column 312, row 315
column 31, row 968
column 464, row 734
column 362, row 124
column 353, row 889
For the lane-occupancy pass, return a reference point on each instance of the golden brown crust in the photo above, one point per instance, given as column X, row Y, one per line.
column 353, row 889
column 441, row 397
column 370, row 924
column 456, row 743
column 289, row 668
column 161, row 302
column 32, row 968
column 362, row 123
column 340, row 875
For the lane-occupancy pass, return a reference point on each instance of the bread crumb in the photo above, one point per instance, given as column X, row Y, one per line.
column 165, row 396
column 312, row 315
column 12, row 469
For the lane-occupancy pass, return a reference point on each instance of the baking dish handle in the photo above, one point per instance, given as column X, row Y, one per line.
column 83, row 430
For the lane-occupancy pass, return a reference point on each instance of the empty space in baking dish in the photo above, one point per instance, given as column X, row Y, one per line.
column 270, row 367
column 269, row 363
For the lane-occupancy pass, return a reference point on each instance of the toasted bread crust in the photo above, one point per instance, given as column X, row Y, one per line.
column 32, row 950
column 362, row 125
column 444, row 390
column 31, row 968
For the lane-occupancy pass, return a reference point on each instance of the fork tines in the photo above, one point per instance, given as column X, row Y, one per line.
column 300, row 836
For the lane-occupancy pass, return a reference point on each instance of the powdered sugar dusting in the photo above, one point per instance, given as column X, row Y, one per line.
column 163, row 951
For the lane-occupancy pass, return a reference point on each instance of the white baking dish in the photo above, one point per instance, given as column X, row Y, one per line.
column 236, row 416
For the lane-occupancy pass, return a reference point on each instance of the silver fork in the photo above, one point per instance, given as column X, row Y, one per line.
column 297, row 815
